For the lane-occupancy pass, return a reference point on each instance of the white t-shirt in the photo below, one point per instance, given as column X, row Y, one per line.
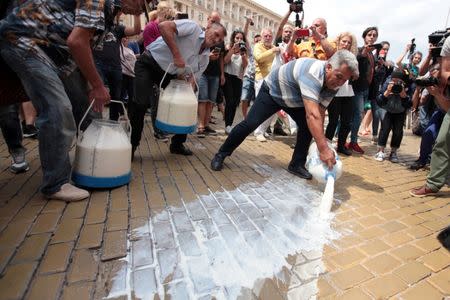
column 346, row 90
column 127, row 60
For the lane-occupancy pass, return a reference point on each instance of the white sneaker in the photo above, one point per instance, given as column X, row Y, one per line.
column 228, row 129
column 69, row 193
column 261, row 138
column 380, row 156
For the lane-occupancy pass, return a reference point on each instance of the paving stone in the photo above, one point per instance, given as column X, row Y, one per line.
column 54, row 206
column 45, row 223
column 324, row 288
column 348, row 257
column 407, row 252
column 111, row 280
column 115, row 245
column 28, row 214
column 309, row 270
column 96, row 212
column 441, row 280
column 119, row 199
column 219, row 217
column 178, row 291
column 76, row 210
column 80, row 290
column 139, row 227
column 412, row 272
column 68, row 230
column 91, row 236
column 117, row 220
column 163, row 235
column 182, row 222
column 84, row 267
column 422, row 290
column 13, row 235
column 5, row 256
column 56, row 258
column 46, row 287
column 411, row 220
column 242, row 221
column 373, row 232
column 397, row 238
column 374, row 247
column 370, row 221
column 393, row 226
column 382, row 264
column 169, row 265
column 385, row 286
column 266, row 290
column 32, row 248
column 350, row 277
column 14, row 283
column 428, row 244
column 436, row 260
column 144, row 284
column 188, row 244
column 353, row 294
column 142, row 252
column 196, row 211
column 418, row 231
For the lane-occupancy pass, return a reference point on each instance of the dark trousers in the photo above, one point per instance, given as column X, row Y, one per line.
column 430, row 134
column 148, row 77
column 392, row 122
column 263, row 108
column 127, row 88
column 10, row 126
column 112, row 77
column 339, row 110
column 232, row 92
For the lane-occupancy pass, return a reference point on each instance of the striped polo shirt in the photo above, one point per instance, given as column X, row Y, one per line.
column 298, row 79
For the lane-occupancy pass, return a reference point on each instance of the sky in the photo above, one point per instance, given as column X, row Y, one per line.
column 397, row 21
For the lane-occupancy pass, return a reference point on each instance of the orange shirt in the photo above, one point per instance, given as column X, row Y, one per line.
column 310, row 49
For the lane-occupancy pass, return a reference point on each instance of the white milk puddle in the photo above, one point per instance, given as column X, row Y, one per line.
column 230, row 240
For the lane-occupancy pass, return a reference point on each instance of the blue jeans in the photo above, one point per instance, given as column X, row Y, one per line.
column 430, row 134
column 378, row 114
column 357, row 108
column 53, row 98
column 207, row 88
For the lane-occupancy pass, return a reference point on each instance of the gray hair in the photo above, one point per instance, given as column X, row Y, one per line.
column 345, row 57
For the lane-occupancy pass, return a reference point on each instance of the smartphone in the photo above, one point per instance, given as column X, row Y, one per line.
column 217, row 49
column 303, row 32
column 377, row 46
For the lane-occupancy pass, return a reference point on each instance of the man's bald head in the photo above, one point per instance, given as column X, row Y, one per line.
column 214, row 17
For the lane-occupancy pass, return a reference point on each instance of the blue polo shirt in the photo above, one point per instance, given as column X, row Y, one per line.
column 189, row 38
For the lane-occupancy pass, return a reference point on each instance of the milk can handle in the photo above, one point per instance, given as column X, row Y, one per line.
column 89, row 109
column 168, row 67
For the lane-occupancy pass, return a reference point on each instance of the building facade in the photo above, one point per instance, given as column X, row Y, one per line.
column 233, row 13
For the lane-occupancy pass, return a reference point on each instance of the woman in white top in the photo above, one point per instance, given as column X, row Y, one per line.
column 127, row 60
column 340, row 109
column 235, row 62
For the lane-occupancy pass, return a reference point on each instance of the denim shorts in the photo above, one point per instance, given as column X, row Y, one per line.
column 208, row 87
column 248, row 89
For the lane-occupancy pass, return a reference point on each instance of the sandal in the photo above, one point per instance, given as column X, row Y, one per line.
column 201, row 132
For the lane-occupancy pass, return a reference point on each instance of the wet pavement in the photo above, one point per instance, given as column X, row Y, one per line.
column 252, row 231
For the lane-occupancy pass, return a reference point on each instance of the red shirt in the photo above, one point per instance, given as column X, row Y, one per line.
column 151, row 33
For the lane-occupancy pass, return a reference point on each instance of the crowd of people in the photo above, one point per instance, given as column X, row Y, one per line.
column 66, row 53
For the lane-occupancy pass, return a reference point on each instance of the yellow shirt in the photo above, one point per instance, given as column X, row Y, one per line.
column 263, row 60
column 306, row 49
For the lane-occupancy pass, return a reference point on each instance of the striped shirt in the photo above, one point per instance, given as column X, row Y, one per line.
column 299, row 79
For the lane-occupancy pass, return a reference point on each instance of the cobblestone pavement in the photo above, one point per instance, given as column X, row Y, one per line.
column 182, row 231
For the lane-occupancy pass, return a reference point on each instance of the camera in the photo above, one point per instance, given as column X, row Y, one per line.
column 378, row 47
column 397, row 88
column 302, row 32
column 242, row 47
column 437, row 39
column 298, row 5
column 427, row 81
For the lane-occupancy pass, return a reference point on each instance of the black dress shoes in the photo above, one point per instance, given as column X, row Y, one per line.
column 300, row 171
column 217, row 162
column 180, row 149
column 343, row 150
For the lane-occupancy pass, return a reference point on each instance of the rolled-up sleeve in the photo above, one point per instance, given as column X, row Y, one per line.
column 89, row 14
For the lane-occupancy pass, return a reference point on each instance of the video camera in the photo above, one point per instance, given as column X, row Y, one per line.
column 426, row 81
column 298, row 8
column 242, row 47
column 437, row 39
column 397, row 88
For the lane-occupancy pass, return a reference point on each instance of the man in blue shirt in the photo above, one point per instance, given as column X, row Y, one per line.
column 182, row 42
column 303, row 88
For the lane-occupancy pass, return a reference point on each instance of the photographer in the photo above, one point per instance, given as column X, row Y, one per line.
column 235, row 62
column 440, row 158
column 394, row 99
